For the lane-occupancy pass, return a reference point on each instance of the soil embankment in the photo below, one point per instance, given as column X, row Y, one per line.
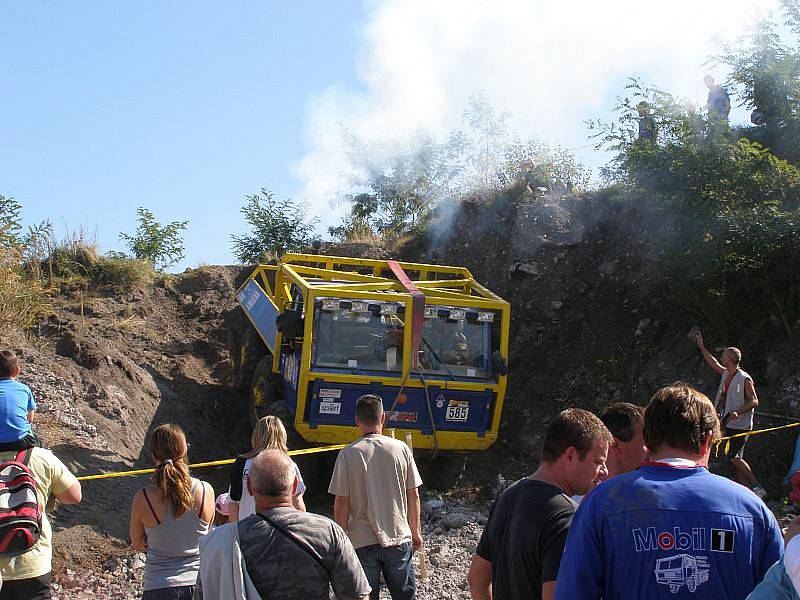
column 109, row 367
column 590, row 326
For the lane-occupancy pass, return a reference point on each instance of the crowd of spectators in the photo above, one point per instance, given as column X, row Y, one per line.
column 620, row 506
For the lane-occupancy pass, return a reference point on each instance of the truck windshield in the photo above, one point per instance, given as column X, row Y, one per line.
column 368, row 336
column 355, row 335
column 460, row 348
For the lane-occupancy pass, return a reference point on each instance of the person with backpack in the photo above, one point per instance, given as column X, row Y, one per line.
column 28, row 480
column 268, row 434
column 169, row 517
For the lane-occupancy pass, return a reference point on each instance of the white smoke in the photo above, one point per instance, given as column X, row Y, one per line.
column 551, row 64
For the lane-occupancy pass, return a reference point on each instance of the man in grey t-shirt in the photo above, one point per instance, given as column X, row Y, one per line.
column 288, row 554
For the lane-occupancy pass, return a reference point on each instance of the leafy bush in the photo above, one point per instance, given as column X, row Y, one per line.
column 160, row 245
column 721, row 210
column 278, row 226
column 121, row 272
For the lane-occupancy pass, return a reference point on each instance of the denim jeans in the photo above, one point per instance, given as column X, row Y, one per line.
column 395, row 562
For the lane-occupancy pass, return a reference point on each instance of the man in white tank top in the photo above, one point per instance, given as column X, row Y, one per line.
column 736, row 401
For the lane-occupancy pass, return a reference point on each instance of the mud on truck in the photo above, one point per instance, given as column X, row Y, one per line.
column 428, row 339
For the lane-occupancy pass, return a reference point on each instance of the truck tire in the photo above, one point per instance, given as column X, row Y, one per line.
column 264, row 391
column 246, row 350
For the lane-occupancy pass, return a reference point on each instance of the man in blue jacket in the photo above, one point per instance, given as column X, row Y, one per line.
column 670, row 529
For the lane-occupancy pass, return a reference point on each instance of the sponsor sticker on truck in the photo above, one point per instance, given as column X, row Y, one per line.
column 330, row 393
column 330, row 408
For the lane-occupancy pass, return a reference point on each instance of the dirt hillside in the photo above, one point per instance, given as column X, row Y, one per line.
column 589, row 326
column 107, row 368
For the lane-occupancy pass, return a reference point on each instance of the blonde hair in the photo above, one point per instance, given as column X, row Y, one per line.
column 168, row 447
column 268, row 434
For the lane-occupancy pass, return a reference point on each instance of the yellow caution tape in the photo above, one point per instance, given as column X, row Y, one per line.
column 213, row 463
column 727, row 439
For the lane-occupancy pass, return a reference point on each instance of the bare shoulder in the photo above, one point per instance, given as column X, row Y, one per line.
column 209, row 489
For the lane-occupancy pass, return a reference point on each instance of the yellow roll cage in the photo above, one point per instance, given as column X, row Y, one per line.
column 318, row 276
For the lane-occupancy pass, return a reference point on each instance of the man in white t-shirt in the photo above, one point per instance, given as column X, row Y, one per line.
column 375, row 482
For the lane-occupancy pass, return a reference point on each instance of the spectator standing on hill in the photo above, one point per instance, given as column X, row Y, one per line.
column 719, row 106
column 375, row 482
column 647, row 124
column 17, row 406
column 670, row 528
column 269, row 433
column 736, row 401
column 719, row 102
column 169, row 517
column 279, row 553
column 520, row 549
column 627, row 451
column 27, row 576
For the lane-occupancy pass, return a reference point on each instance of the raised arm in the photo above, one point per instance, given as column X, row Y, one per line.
column 709, row 358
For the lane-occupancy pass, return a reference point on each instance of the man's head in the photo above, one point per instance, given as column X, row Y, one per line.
column 731, row 357
column 625, row 421
column 271, row 478
column 680, row 418
column 643, row 108
column 369, row 413
column 576, row 444
column 709, row 81
column 9, row 366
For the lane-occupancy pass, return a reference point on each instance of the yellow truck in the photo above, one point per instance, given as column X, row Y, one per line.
column 428, row 339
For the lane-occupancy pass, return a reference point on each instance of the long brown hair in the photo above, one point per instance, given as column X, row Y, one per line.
column 168, row 447
column 268, row 433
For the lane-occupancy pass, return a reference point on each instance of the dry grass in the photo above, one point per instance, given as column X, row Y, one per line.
column 22, row 299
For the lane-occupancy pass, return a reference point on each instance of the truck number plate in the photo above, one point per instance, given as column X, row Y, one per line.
column 330, row 408
column 457, row 412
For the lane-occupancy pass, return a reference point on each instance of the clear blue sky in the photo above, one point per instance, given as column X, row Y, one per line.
column 182, row 107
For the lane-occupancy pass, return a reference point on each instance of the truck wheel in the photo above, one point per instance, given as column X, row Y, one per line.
column 691, row 584
column 246, row 350
column 674, row 588
column 264, row 391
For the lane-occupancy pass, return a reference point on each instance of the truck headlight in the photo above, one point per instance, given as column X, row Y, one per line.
column 360, row 307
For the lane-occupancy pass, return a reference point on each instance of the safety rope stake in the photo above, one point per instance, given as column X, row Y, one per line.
column 213, row 463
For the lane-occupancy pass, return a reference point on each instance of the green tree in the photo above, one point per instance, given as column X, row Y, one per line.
column 38, row 246
column 278, row 226
column 160, row 245
column 765, row 76
column 10, row 222
column 720, row 210
column 399, row 186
